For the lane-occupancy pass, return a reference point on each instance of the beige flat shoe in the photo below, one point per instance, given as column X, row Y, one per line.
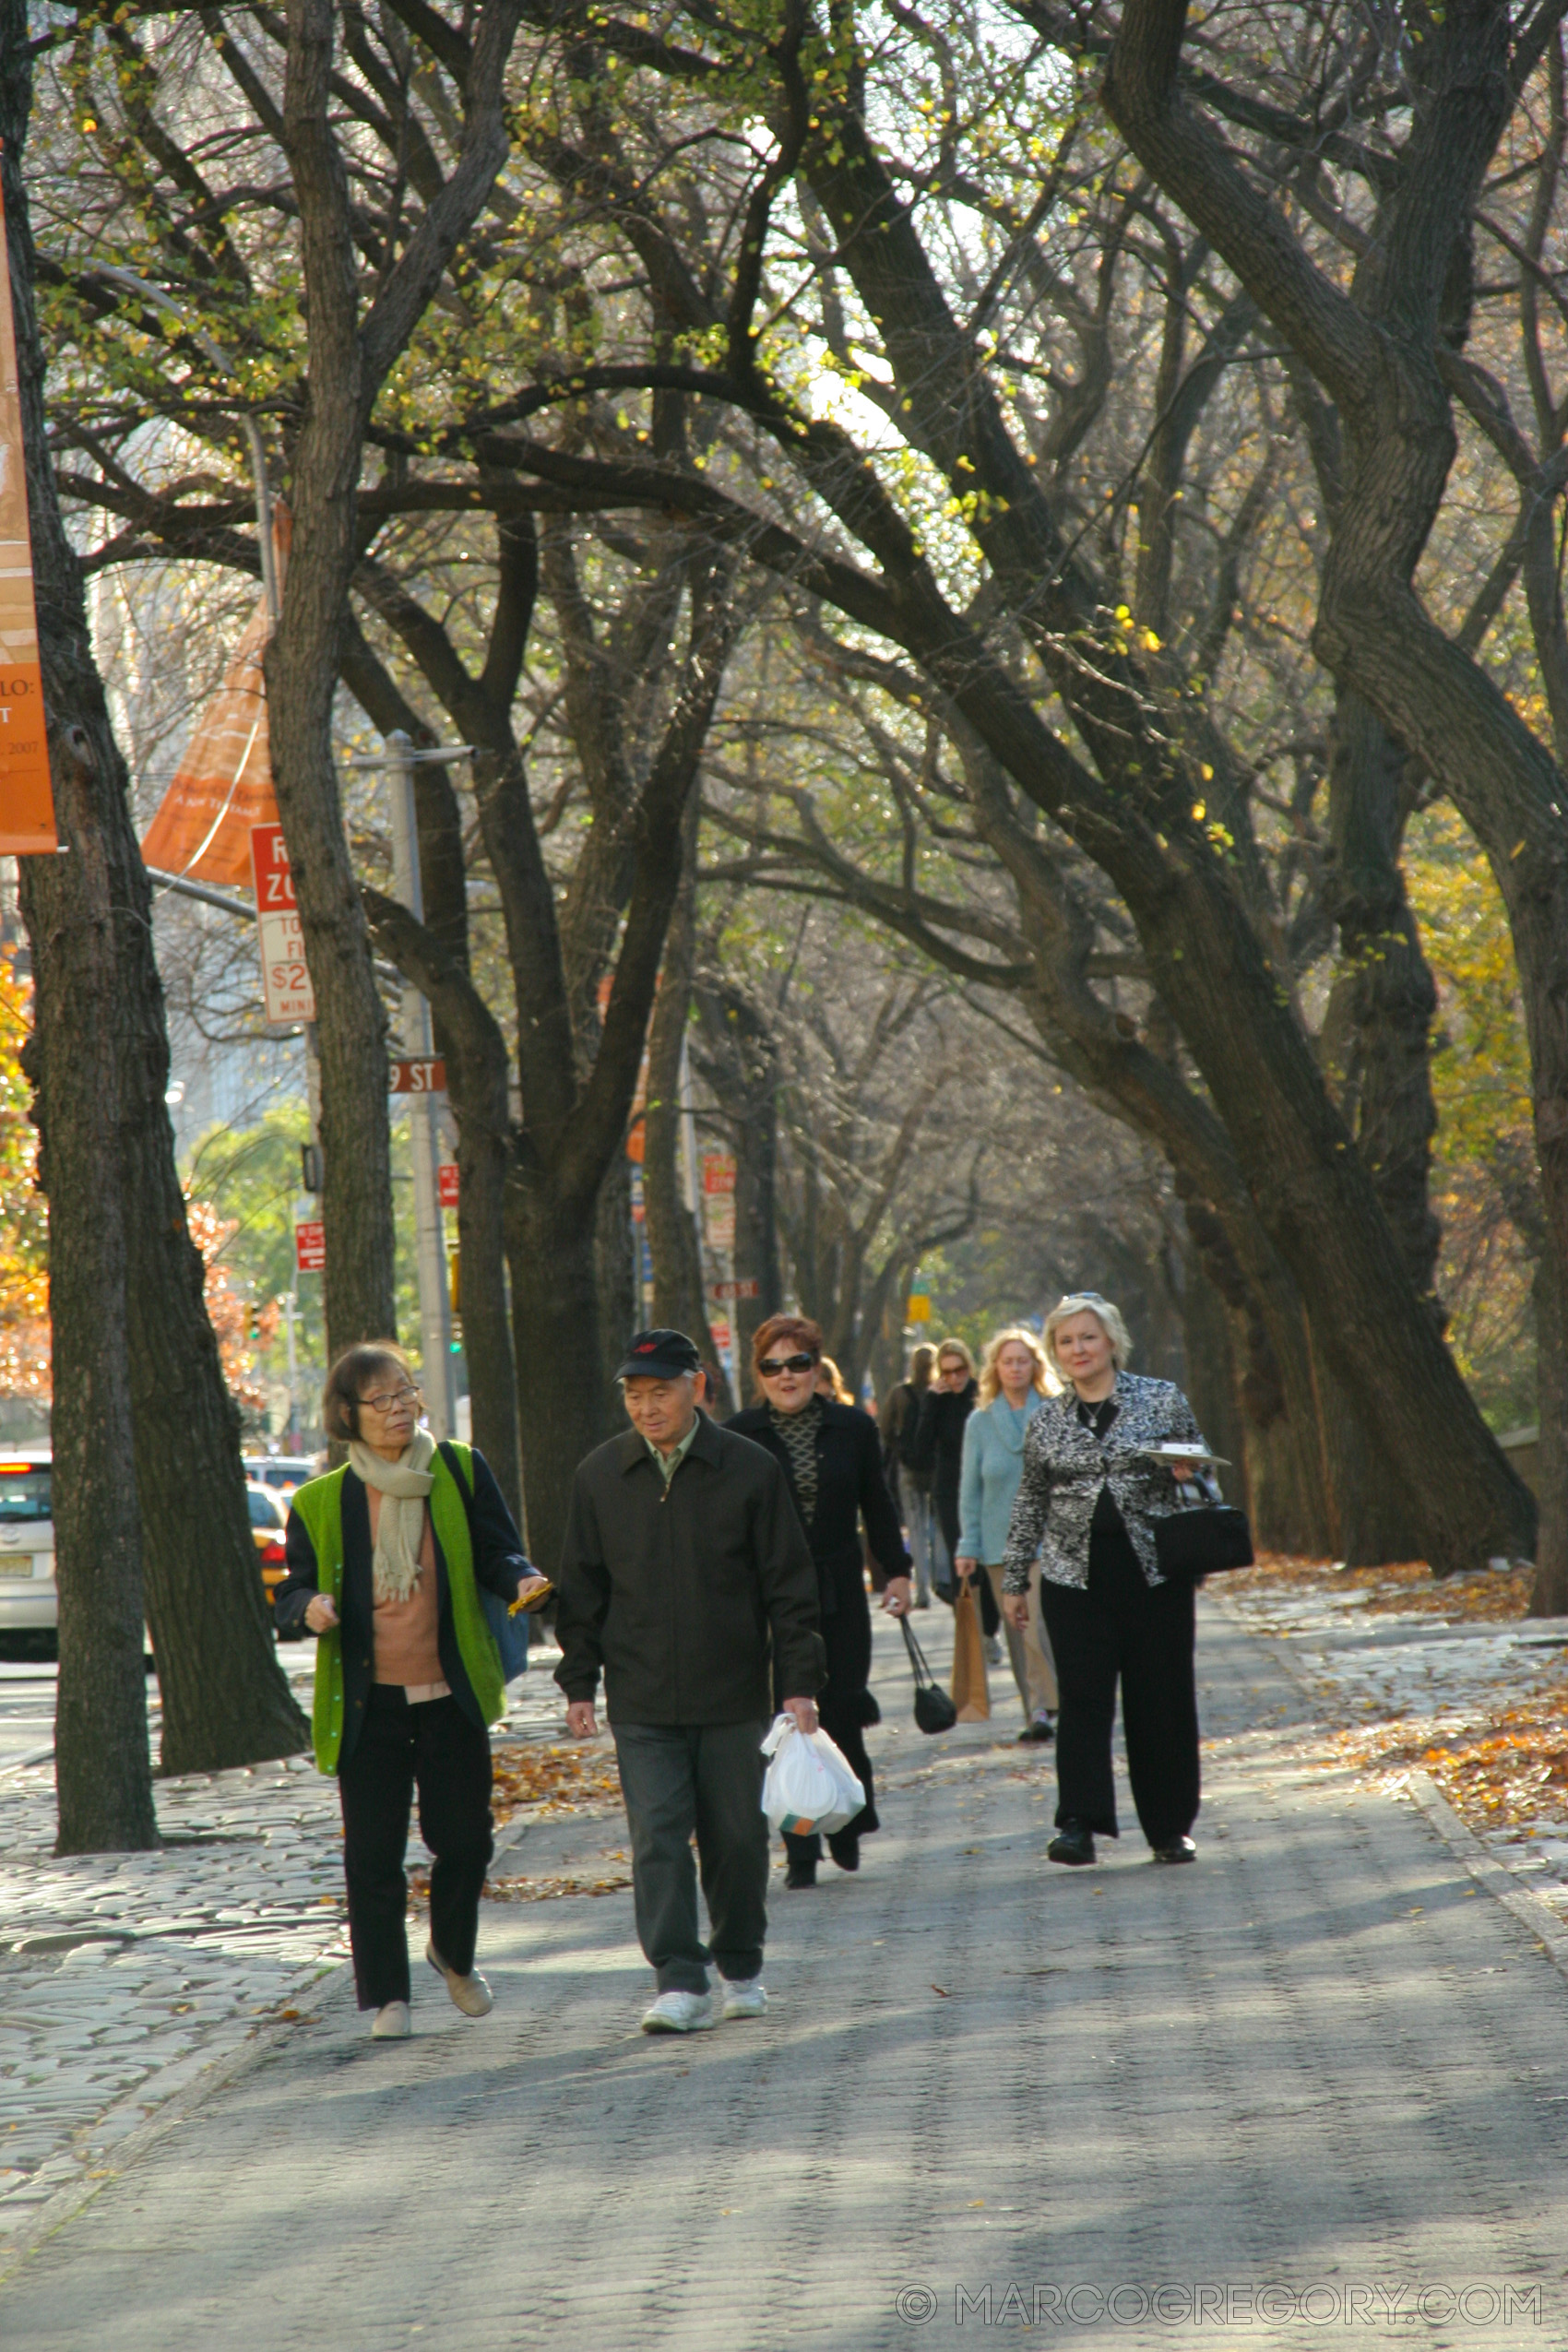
column 392, row 2023
column 471, row 1993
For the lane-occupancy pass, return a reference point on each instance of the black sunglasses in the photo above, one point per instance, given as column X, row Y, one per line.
column 771, row 1366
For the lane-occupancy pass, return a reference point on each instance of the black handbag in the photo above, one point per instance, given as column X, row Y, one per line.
column 1201, row 1540
column 935, row 1711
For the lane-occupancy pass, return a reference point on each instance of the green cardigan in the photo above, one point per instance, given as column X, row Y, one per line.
column 320, row 1504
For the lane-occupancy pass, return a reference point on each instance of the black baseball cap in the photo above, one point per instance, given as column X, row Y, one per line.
column 659, row 1355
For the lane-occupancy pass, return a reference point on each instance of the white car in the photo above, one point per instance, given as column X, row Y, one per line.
column 29, row 1605
column 282, row 1472
column 30, row 1598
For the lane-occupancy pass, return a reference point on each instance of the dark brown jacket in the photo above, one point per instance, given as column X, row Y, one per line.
column 683, row 1596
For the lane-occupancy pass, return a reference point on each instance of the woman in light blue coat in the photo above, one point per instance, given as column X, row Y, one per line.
column 1014, row 1385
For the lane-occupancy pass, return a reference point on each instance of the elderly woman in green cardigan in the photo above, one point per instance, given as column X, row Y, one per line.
column 386, row 1558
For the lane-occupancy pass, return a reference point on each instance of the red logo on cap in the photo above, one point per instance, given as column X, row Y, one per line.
column 647, row 1348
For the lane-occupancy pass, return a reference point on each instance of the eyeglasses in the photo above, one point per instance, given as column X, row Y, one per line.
column 771, row 1366
column 390, row 1396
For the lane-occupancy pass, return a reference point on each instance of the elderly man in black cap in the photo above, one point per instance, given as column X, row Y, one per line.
column 686, row 1580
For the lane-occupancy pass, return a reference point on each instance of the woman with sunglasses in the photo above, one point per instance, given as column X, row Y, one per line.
column 832, row 1457
column 385, row 1559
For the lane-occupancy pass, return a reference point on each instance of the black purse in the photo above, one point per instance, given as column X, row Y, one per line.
column 935, row 1711
column 1203, row 1539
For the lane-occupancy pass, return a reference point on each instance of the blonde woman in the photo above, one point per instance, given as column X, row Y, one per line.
column 1088, row 1502
column 1013, row 1383
column 829, row 1382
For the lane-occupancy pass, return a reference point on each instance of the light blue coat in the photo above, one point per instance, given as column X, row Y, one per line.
column 993, row 1463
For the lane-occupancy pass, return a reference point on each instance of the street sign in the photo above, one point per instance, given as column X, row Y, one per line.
column 310, row 1246
column 719, row 1220
column 919, row 1308
column 285, row 978
column 719, row 1172
column 720, row 1326
column 419, row 1077
column 446, row 1180
column 750, row 1288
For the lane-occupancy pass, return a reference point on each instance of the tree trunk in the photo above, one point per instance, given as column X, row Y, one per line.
column 1384, row 353
column 738, row 1058
column 302, row 677
column 1213, row 1387
column 1548, row 1595
column 1140, row 812
column 1379, row 1024
column 475, row 1055
column 224, row 1699
column 102, row 1772
column 556, row 1341
column 679, row 1293
column 618, row 1268
column 1286, row 1472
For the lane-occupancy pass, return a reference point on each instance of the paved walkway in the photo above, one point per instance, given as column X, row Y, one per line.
column 124, row 1978
column 1311, row 2090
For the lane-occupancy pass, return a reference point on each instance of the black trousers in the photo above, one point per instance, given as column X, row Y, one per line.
column 680, row 1779
column 435, row 1748
column 1124, row 1626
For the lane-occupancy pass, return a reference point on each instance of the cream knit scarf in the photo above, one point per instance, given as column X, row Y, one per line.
column 403, row 1487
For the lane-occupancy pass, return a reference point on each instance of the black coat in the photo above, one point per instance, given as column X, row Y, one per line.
column 939, row 1448
column 850, row 1488
column 678, row 1594
column 499, row 1567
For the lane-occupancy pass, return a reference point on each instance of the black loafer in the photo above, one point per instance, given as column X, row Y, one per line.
column 1072, row 1843
column 800, row 1875
column 845, row 1851
column 1037, row 1732
column 1181, row 1849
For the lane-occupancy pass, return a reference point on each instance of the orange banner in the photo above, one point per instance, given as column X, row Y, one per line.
column 27, row 804
column 224, row 786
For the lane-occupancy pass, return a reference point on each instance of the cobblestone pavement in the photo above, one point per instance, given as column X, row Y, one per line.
column 1413, row 1667
column 123, row 1977
column 1311, row 2090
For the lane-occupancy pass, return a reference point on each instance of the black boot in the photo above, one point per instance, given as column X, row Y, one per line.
column 1072, row 1843
column 844, row 1845
column 800, row 1875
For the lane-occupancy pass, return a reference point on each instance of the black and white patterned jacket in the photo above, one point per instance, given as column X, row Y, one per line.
column 1064, row 1466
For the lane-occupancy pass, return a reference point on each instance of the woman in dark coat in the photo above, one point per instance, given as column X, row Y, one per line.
column 832, row 1456
column 939, row 1450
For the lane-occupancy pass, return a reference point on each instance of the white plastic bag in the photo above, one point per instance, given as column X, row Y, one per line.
column 808, row 1785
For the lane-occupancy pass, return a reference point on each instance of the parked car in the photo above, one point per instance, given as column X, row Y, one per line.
column 30, row 1602
column 269, row 1520
column 284, row 1472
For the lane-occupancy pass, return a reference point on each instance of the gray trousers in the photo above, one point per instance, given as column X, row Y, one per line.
column 706, row 1777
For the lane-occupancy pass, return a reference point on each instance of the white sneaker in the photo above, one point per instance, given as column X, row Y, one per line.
column 392, row 2022
column 680, row 2013
column 744, row 1997
column 471, row 1993
column 992, row 1650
